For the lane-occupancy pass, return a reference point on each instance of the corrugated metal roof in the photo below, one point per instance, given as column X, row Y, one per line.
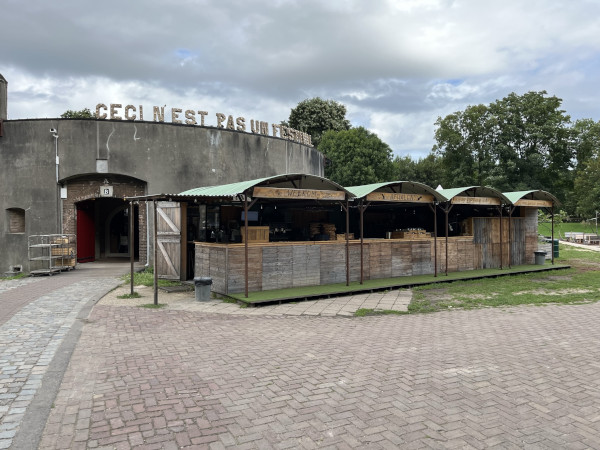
column 478, row 191
column 514, row 197
column 406, row 187
column 224, row 190
column 290, row 180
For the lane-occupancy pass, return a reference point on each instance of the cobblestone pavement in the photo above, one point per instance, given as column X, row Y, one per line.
column 35, row 316
column 523, row 377
column 396, row 300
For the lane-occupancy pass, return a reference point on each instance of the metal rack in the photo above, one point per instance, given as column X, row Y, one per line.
column 51, row 253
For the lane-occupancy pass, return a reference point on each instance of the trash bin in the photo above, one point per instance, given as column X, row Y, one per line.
column 202, row 288
column 555, row 248
column 540, row 258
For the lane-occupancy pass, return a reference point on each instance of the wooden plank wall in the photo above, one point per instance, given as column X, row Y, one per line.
column 278, row 266
column 523, row 243
column 530, row 227
column 401, row 259
column 306, row 269
column 235, row 281
column 380, row 260
column 333, row 264
column 462, row 254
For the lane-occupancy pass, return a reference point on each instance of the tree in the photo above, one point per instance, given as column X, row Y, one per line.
column 428, row 170
column 532, row 143
column 516, row 143
column 85, row 113
column 464, row 140
column 356, row 156
column 404, row 169
column 316, row 116
column 587, row 189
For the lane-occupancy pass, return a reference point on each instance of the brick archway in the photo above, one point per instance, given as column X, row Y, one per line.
column 89, row 187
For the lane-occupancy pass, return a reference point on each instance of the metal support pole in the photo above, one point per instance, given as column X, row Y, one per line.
column 510, row 211
column 347, row 243
column 131, row 243
column 501, row 238
column 361, row 210
column 552, row 247
column 435, row 261
column 246, row 246
column 447, row 211
column 155, row 253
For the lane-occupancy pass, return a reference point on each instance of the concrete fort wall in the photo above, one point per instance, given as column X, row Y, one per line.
column 165, row 157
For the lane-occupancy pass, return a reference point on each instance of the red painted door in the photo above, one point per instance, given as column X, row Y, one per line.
column 86, row 233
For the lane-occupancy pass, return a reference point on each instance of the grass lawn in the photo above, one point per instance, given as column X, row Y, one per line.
column 545, row 228
column 580, row 284
column 577, row 285
column 146, row 278
column 379, row 284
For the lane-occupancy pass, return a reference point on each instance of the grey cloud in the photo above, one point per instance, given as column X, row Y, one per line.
column 410, row 59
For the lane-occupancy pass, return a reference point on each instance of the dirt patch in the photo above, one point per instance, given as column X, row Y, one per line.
column 557, row 292
column 439, row 295
column 560, row 277
column 552, row 278
column 146, row 296
column 480, row 296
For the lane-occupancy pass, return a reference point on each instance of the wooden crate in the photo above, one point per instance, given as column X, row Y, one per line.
column 255, row 234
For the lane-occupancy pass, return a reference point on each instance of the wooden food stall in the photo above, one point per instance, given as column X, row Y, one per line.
column 297, row 230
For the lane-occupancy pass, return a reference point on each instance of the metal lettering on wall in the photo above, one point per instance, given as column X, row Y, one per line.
column 302, row 194
column 116, row 111
column 396, row 197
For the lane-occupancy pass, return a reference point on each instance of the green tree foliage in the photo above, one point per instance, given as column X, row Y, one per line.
column 85, row 113
column 316, row 116
column 516, row 143
column 587, row 185
column 464, row 141
column 426, row 170
column 356, row 156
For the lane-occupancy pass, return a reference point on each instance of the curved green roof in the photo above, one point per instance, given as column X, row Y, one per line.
column 397, row 187
column 289, row 180
column 475, row 191
column 514, row 197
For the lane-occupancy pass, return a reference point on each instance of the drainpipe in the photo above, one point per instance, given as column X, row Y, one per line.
column 58, row 202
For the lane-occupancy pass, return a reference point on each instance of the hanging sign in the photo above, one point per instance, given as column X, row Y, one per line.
column 300, row 194
column 394, row 197
column 535, row 203
column 475, row 201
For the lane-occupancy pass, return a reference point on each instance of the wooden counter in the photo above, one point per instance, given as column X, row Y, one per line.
column 279, row 265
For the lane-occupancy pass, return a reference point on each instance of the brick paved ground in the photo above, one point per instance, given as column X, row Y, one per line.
column 525, row 377
column 36, row 314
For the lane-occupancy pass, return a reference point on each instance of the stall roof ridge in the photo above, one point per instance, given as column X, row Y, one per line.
column 536, row 194
column 233, row 189
column 484, row 190
column 365, row 189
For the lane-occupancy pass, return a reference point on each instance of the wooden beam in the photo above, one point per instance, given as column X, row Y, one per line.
column 476, row 201
column 534, row 203
column 400, row 198
column 300, row 194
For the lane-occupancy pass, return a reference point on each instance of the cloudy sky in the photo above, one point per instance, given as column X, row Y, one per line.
column 397, row 65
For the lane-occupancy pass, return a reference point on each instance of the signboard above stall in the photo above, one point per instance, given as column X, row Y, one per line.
column 534, row 203
column 298, row 194
column 396, row 197
column 475, row 201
